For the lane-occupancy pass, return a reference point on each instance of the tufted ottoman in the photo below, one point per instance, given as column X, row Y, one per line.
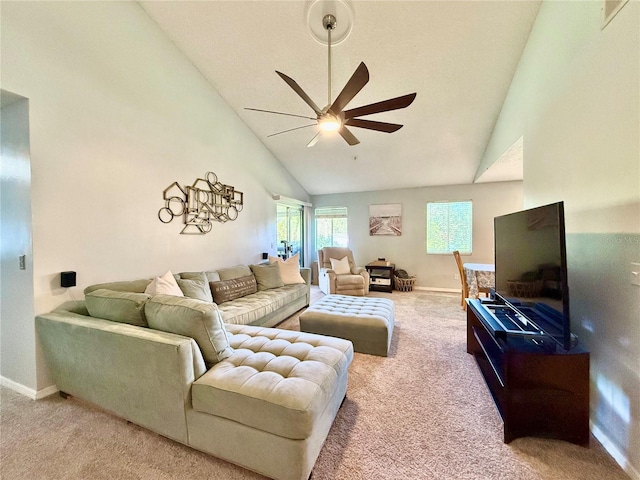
column 366, row 321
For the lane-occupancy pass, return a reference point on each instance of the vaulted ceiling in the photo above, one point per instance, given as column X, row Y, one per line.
column 458, row 56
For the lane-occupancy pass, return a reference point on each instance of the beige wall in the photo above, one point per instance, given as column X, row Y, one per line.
column 408, row 251
column 116, row 115
column 575, row 99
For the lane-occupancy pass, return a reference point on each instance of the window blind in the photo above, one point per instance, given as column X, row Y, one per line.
column 331, row 212
column 449, row 227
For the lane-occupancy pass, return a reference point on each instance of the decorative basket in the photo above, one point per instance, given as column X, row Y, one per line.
column 525, row 289
column 404, row 284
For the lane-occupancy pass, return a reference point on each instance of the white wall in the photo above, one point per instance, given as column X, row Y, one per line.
column 575, row 98
column 117, row 114
column 17, row 336
column 408, row 251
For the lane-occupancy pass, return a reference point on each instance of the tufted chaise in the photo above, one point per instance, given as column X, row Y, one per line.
column 275, row 396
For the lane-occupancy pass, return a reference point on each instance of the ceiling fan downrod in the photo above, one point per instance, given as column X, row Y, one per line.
column 329, row 23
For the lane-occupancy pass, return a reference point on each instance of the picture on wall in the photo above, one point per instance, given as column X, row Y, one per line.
column 385, row 219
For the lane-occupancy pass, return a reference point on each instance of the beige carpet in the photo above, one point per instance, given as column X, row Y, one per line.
column 421, row 413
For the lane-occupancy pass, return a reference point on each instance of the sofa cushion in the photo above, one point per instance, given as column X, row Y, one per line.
column 124, row 307
column 210, row 276
column 277, row 381
column 136, row 286
column 164, row 285
column 352, row 280
column 233, row 272
column 191, row 318
column 196, row 285
column 227, row 290
column 267, row 275
column 251, row 308
column 289, row 269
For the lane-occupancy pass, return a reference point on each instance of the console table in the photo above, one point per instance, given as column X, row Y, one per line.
column 538, row 391
column 380, row 277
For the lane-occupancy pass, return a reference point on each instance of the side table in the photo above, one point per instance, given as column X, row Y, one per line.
column 381, row 276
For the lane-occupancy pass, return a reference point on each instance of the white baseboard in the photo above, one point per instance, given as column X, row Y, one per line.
column 620, row 458
column 26, row 391
column 436, row 289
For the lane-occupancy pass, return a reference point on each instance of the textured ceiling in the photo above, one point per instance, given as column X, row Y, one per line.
column 459, row 57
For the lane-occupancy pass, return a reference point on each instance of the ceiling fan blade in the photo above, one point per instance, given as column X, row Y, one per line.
column 292, row 83
column 378, row 126
column 292, row 129
column 279, row 113
column 357, row 81
column 384, row 106
column 348, row 136
column 314, row 140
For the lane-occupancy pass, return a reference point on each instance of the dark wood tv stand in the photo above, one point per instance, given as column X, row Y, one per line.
column 538, row 390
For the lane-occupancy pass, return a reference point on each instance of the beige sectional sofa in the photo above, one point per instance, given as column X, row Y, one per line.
column 196, row 372
column 263, row 308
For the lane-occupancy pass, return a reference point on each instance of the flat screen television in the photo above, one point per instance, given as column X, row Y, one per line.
column 531, row 269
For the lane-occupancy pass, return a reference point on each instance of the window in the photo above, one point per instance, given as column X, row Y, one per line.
column 449, row 227
column 331, row 227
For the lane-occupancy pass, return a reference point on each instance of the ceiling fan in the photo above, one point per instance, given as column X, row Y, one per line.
column 333, row 117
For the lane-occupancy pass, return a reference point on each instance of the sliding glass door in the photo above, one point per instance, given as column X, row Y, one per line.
column 290, row 229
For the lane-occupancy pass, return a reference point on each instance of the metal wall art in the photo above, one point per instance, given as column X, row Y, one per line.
column 201, row 204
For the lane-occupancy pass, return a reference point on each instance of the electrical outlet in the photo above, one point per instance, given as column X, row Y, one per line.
column 22, row 262
column 457, row 276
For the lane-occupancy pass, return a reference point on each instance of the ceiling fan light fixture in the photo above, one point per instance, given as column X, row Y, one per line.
column 329, row 123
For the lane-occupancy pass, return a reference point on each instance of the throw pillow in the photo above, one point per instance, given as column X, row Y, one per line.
column 341, row 267
column 208, row 276
column 267, row 275
column 230, row 273
column 191, row 318
column 289, row 269
column 197, row 288
column 227, row 290
column 164, row 285
column 123, row 307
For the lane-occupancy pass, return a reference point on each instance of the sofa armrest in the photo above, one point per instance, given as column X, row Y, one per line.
column 306, row 274
column 140, row 374
column 73, row 306
column 367, row 278
column 327, row 280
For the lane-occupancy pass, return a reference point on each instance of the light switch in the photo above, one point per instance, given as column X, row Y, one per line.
column 635, row 274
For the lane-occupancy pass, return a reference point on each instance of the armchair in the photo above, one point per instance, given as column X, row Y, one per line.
column 345, row 281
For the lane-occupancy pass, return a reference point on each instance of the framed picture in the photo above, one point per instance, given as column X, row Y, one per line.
column 385, row 219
